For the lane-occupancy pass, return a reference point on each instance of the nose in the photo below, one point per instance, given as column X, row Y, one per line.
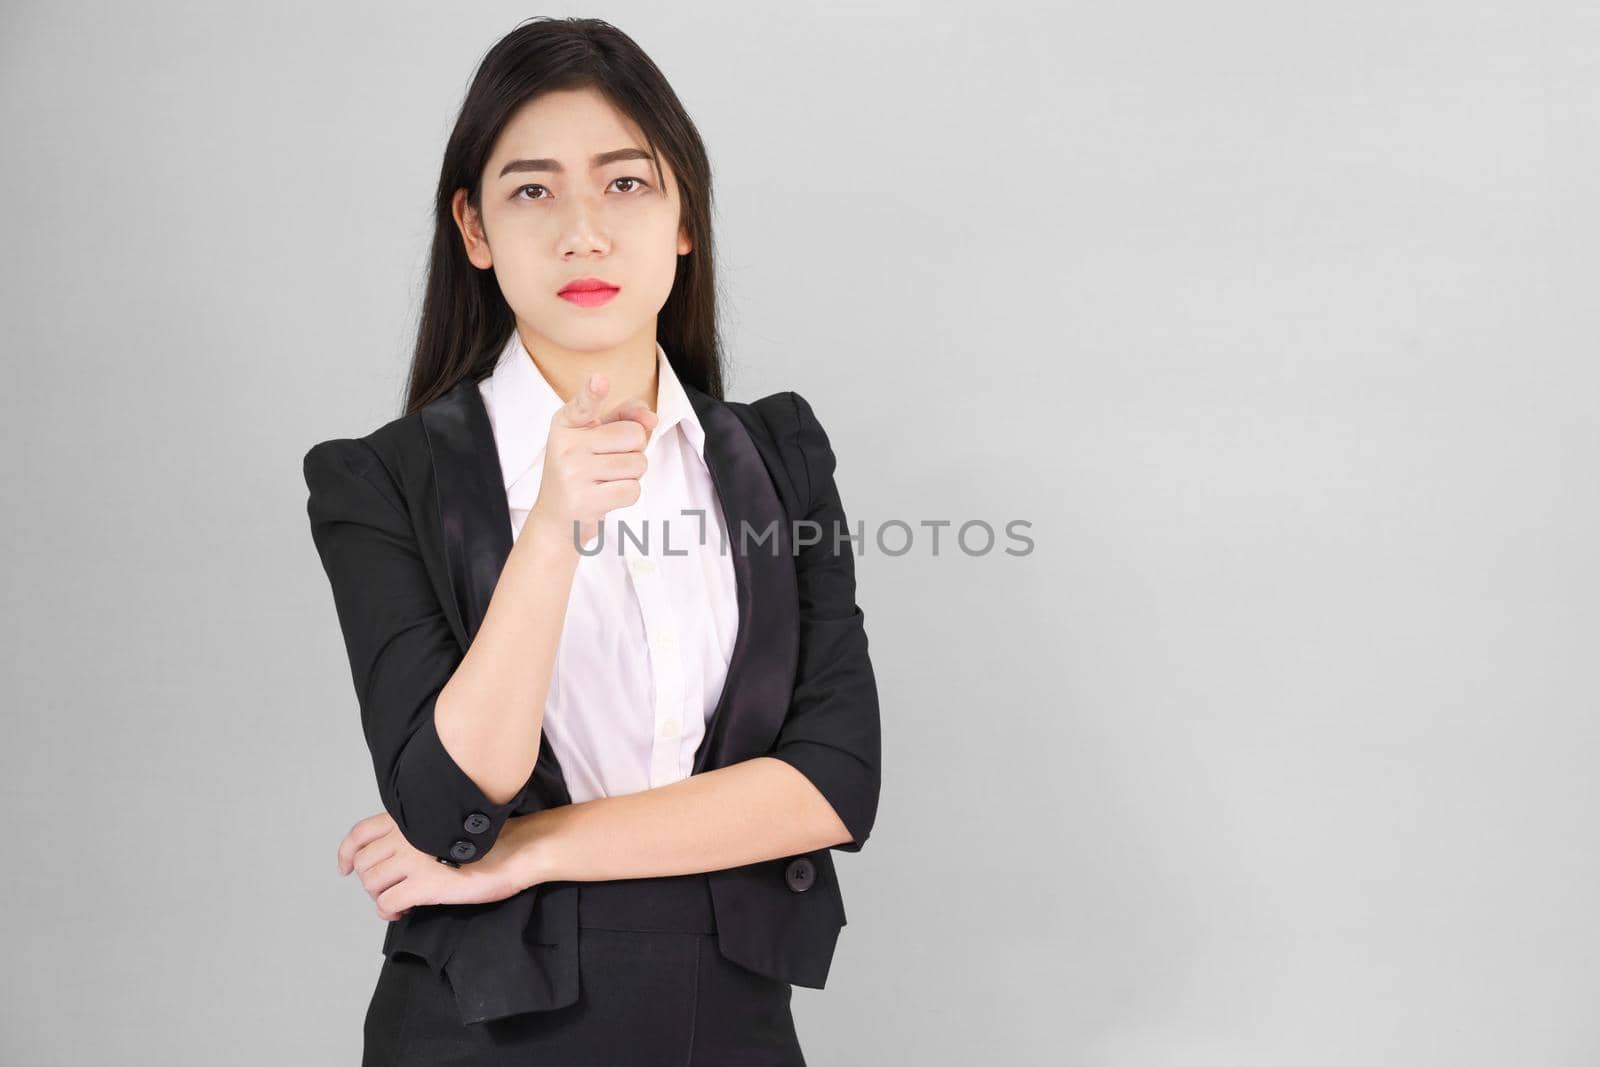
column 581, row 233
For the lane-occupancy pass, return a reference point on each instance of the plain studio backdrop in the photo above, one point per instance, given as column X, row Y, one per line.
column 1276, row 323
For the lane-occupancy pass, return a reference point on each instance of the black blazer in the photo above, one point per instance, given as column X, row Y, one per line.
column 413, row 527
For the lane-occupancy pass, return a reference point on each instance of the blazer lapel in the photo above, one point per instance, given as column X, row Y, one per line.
column 474, row 518
column 760, row 679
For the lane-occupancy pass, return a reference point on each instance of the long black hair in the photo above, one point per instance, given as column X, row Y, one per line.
column 465, row 319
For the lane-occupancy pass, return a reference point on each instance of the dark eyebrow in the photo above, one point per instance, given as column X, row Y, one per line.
column 551, row 165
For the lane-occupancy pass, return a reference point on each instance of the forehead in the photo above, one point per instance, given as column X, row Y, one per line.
column 575, row 123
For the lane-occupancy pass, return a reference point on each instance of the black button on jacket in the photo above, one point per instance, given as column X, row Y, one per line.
column 412, row 526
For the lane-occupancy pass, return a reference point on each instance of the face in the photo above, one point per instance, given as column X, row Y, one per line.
column 569, row 192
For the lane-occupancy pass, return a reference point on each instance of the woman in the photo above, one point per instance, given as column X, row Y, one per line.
column 614, row 756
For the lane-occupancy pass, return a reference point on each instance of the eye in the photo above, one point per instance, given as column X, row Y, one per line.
column 517, row 195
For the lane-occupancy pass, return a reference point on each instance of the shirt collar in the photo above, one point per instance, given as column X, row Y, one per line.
column 521, row 404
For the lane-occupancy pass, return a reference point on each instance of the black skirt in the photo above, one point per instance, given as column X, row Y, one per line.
column 654, row 991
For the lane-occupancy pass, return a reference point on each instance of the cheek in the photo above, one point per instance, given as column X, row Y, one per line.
column 517, row 251
column 515, row 269
column 665, row 238
column 661, row 270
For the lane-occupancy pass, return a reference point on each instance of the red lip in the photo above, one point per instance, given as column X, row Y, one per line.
column 585, row 285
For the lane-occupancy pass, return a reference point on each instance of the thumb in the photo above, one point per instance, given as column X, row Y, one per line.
column 584, row 406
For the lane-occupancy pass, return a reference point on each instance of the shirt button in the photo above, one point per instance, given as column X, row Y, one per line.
column 664, row 639
column 669, row 728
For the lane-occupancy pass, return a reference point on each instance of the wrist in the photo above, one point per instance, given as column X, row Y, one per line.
column 548, row 538
column 537, row 850
column 542, row 548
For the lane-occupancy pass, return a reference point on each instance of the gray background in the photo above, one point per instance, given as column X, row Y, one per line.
column 1276, row 321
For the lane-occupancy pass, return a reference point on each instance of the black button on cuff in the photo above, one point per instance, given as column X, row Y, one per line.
column 476, row 823
column 800, row 874
column 463, row 851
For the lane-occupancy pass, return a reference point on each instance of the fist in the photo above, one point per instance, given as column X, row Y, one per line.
column 592, row 462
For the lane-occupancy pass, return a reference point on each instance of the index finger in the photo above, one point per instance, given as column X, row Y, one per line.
column 585, row 403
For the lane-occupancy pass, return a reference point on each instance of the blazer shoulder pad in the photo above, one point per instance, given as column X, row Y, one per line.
column 800, row 439
column 379, row 456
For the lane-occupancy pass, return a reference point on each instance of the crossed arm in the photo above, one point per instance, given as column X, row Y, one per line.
column 757, row 809
column 754, row 810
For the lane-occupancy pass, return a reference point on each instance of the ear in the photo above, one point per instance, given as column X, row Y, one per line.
column 470, row 224
column 685, row 246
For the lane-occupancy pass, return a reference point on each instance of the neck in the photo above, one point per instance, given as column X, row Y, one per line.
column 629, row 367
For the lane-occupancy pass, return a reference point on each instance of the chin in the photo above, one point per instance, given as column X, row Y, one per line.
column 595, row 336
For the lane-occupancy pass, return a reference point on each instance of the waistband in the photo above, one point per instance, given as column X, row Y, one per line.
column 671, row 904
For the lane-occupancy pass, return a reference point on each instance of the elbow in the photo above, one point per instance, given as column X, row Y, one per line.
column 437, row 806
column 847, row 781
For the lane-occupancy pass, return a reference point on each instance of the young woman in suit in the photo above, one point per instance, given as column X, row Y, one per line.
column 601, row 622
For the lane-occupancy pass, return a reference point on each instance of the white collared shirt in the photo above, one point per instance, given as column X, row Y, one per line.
column 649, row 632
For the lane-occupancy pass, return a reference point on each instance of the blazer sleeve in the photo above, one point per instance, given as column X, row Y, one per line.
column 831, row 732
column 401, row 649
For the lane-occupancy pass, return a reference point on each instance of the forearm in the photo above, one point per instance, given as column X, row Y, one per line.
column 490, row 715
column 750, row 811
